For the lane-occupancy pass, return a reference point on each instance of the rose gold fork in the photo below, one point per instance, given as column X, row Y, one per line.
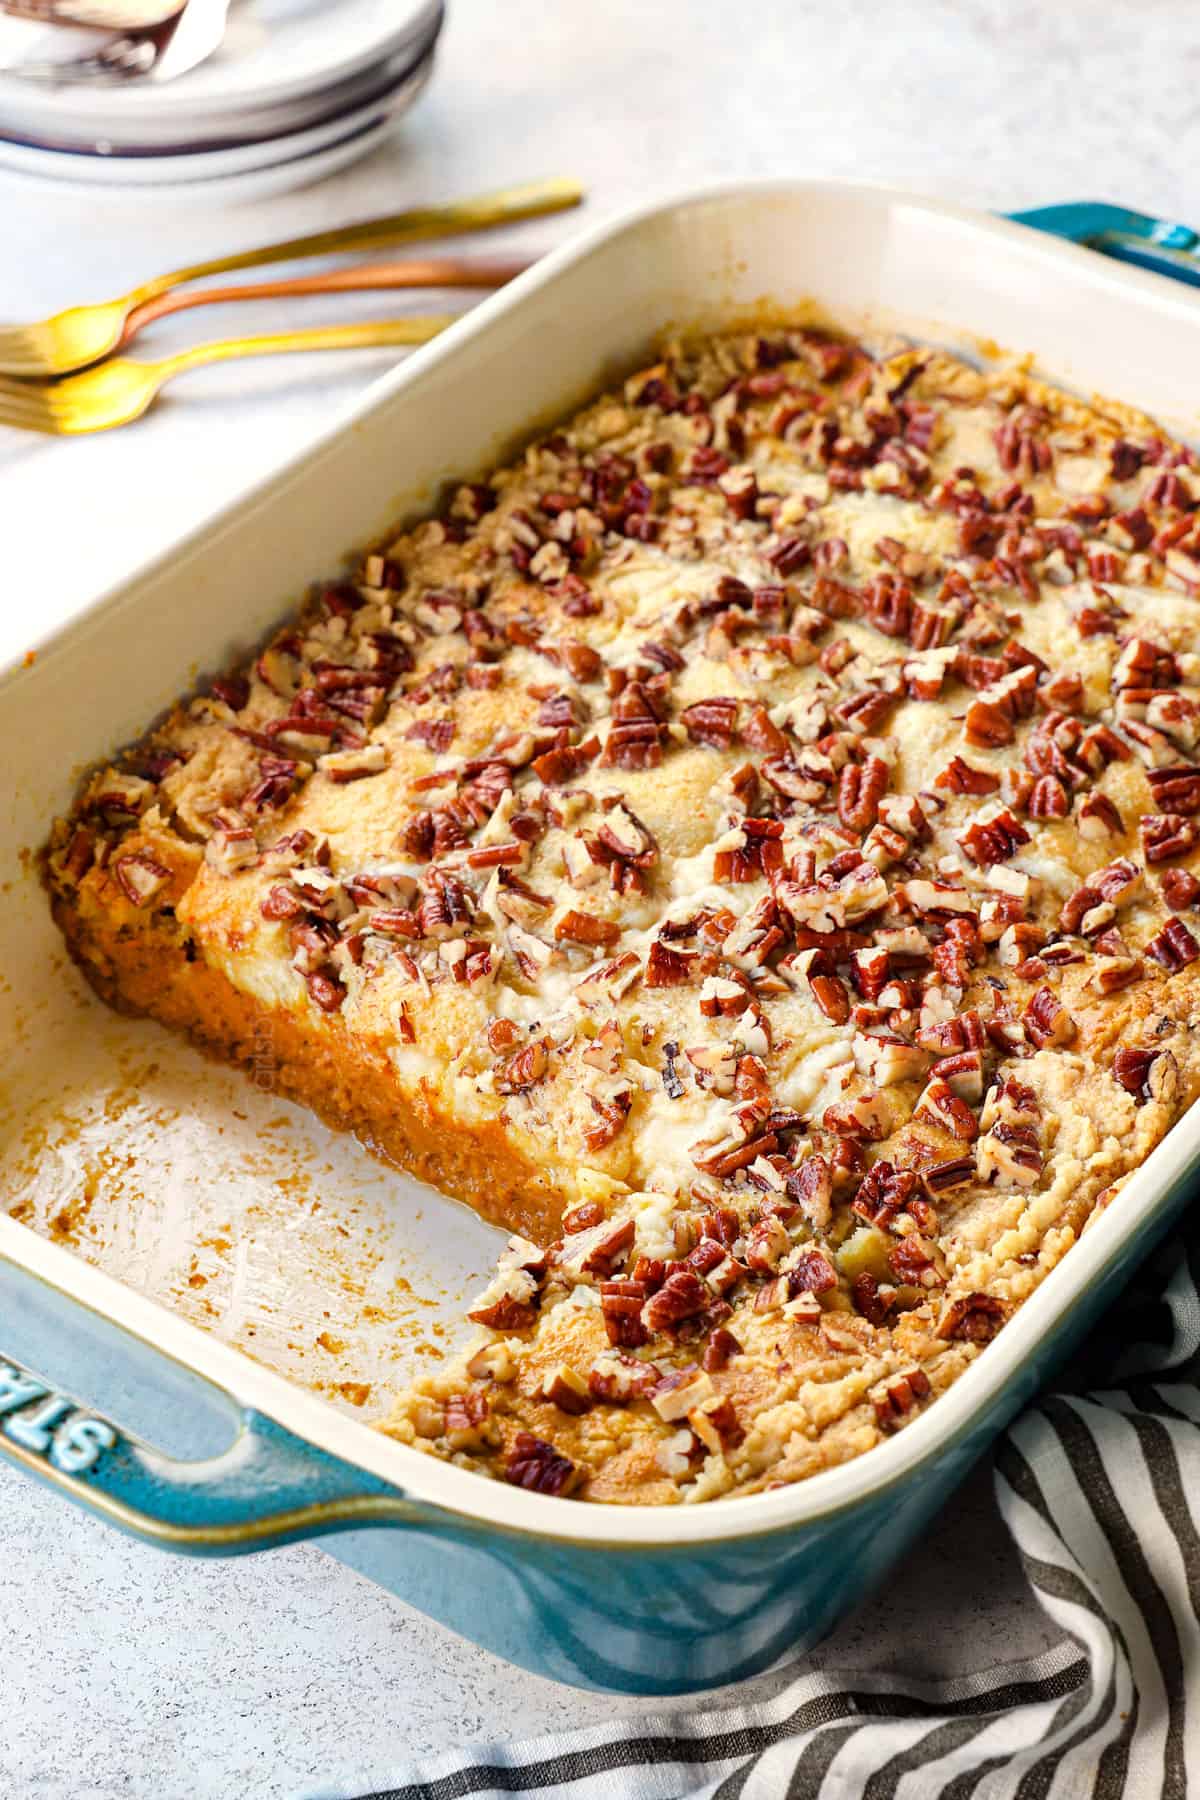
column 438, row 272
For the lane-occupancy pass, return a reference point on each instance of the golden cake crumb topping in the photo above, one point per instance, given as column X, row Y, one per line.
column 769, row 811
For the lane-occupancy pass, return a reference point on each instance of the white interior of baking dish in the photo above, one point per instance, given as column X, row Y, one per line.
column 260, row 1232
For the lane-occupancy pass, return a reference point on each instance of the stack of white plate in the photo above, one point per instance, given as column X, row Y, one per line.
column 298, row 89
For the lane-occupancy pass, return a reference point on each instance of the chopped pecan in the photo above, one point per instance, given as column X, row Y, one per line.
column 580, row 660
column 583, row 1218
column 232, row 690
column 446, row 905
column 1047, row 1021
column 904, row 813
column 975, row 1318
column 868, row 1298
column 561, row 764
column 860, row 789
column 993, row 840
column 1098, row 817
column 140, row 878
column 887, row 602
column 1174, row 946
column 767, row 1243
column 931, row 625
column 723, row 1225
column 712, row 722
column 651, row 1271
column 1144, row 664
column 721, row 997
column 565, row 1388
column 1176, row 787
column 897, row 1396
column 916, row 1262
column 865, row 712
column 635, row 745
column 617, row 1379
column 326, row 990
column 678, row 1393
column 505, row 1313
column 521, row 1071
column 80, row 853
column 959, row 951
column 1009, row 1156
column 790, row 554
column 865, row 1117
column 869, row 971
column 1093, row 906
column 811, row 1272
column 621, row 1304
column 232, row 846
column 761, row 733
column 682, row 1295
column 611, row 1107
column 830, row 994
column 750, row 852
column 963, row 1072
column 962, row 777
column 713, row 1261
column 604, row 1248
column 352, row 765
column 883, row 1192
column 465, row 1421
column 1063, row 692
column 938, row 899
column 390, row 921
column 624, row 837
column 1125, row 459
column 1147, row 1073
column 988, row 725
column 532, row 1463
column 1179, row 889
column 585, row 928
column 925, row 674
column 666, row 967
column 1049, row 799
column 680, row 1454
column 560, row 712
column 811, row 1188
column 941, row 1178
column 887, row 1059
column 944, row 1107
column 1166, row 835
column 1131, row 529
column 720, row 1349
column 1020, row 447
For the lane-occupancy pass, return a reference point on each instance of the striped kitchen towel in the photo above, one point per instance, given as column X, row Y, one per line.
column 1099, row 1484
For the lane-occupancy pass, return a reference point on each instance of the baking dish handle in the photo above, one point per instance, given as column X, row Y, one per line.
column 268, row 1487
column 1133, row 237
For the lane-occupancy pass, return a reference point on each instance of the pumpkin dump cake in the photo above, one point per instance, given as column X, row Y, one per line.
column 748, row 849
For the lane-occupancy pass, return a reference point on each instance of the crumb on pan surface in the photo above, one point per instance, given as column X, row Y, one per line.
column 748, row 847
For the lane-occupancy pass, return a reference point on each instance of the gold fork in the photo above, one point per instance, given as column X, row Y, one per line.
column 83, row 334
column 119, row 390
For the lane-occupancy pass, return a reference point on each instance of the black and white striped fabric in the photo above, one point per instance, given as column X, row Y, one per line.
column 1100, row 1486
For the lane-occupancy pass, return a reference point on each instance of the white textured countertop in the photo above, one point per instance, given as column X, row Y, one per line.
column 132, row 1675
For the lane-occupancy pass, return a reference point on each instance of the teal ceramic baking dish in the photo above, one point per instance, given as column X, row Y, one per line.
column 111, row 1390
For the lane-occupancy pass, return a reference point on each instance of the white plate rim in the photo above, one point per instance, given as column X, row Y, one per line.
column 86, row 171
column 25, row 108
